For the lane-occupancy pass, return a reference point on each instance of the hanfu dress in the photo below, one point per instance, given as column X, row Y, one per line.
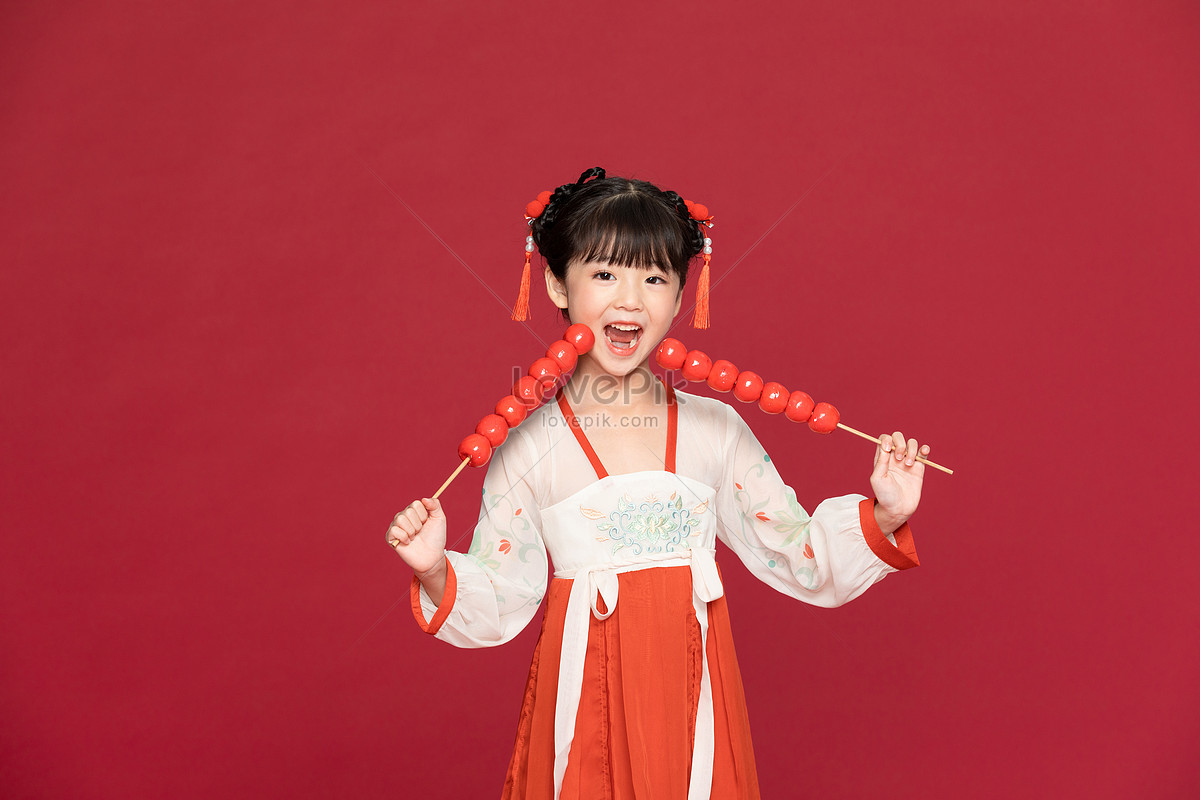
column 634, row 688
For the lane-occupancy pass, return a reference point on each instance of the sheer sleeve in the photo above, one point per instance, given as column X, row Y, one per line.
column 494, row 589
column 826, row 559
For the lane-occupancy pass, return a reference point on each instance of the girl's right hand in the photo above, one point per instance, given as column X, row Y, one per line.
column 418, row 534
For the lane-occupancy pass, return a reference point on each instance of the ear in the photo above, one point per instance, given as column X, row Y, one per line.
column 556, row 289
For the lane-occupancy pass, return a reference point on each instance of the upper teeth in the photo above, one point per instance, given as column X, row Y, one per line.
column 620, row 327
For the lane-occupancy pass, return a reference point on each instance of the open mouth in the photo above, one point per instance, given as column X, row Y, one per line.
column 622, row 336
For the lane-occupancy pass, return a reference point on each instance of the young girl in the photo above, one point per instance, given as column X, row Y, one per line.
column 634, row 689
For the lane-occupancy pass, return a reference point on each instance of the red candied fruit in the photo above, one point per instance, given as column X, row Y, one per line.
column 723, row 375
column 581, row 336
column 774, row 398
column 799, row 407
column 546, row 372
column 493, row 428
column 512, row 410
column 748, row 387
column 824, row 418
column 671, row 354
column 475, row 447
column 563, row 354
column 529, row 391
column 696, row 366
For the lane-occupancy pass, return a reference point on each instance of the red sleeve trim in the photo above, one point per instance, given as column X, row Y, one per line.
column 434, row 625
column 901, row 556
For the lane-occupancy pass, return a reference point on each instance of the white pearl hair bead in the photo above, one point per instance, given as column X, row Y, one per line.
column 528, row 239
column 707, row 242
column 529, row 247
column 708, row 251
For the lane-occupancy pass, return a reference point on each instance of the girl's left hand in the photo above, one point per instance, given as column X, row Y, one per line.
column 896, row 479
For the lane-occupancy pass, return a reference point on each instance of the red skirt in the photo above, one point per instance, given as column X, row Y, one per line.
column 637, row 710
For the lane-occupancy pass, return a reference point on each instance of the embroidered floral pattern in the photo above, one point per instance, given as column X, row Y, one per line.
column 792, row 522
column 648, row 526
column 513, row 535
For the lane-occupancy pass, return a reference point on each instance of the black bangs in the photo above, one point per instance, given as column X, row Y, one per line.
column 615, row 221
column 632, row 230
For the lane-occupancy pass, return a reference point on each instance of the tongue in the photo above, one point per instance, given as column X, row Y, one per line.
column 617, row 335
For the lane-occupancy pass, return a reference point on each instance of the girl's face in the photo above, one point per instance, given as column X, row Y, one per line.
column 608, row 298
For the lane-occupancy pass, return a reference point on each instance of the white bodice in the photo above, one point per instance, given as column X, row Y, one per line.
column 623, row 518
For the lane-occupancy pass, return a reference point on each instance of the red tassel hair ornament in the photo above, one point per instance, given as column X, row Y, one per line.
column 704, row 219
column 533, row 210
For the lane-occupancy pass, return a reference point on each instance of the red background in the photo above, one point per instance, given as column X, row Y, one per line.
column 231, row 351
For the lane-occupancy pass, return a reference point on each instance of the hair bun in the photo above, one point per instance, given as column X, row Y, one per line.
column 563, row 193
column 594, row 172
column 685, row 210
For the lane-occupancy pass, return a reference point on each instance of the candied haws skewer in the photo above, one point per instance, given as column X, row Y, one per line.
column 544, row 375
column 748, row 387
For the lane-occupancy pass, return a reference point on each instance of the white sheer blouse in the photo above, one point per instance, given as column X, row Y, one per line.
column 720, row 470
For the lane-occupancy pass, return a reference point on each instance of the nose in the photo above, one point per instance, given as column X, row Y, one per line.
column 629, row 293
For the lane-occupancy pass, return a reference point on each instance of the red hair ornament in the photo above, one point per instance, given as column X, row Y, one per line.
column 533, row 210
column 704, row 220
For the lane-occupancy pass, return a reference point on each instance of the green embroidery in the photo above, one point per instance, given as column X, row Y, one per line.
column 651, row 526
column 512, row 535
column 792, row 522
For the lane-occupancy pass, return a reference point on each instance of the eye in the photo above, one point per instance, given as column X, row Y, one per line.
column 658, row 278
column 601, row 274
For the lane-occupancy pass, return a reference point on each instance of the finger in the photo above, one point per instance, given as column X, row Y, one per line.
column 898, row 441
column 881, row 457
column 435, row 507
column 414, row 522
column 911, row 451
column 391, row 536
column 422, row 513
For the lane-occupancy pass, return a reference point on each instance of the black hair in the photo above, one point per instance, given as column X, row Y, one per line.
column 619, row 221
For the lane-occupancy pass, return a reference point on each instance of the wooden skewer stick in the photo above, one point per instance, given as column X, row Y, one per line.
column 442, row 488
column 876, row 441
